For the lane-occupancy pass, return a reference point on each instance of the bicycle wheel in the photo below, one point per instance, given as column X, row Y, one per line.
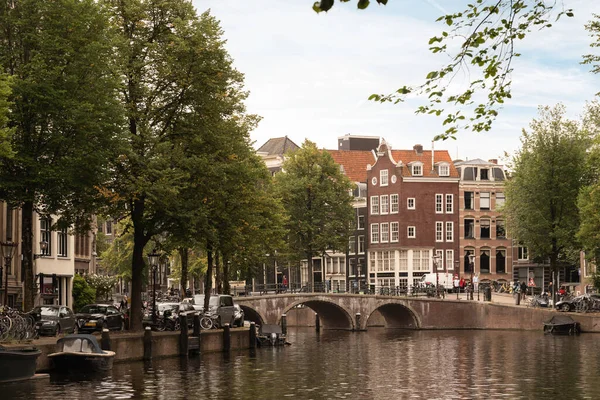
column 206, row 322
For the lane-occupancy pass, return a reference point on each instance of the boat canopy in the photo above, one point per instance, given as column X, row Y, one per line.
column 78, row 344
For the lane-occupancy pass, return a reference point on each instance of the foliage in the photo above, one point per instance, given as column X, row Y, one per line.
column 482, row 38
column 103, row 284
column 541, row 196
column 5, row 131
column 315, row 195
column 595, row 280
column 83, row 294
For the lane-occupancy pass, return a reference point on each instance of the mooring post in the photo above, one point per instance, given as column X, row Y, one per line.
column 148, row 343
column 196, row 325
column 252, row 335
column 358, row 321
column 105, row 341
column 183, row 336
column 317, row 323
column 284, row 324
column 226, row 337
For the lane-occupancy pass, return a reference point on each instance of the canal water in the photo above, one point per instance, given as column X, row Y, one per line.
column 378, row 364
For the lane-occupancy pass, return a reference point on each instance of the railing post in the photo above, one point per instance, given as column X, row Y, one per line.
column 317, row 323
column 105, row 341
column 284, row 324
column 183, row 336
column 252, row 335
column 358, row 321
column 148, row 343
column 226, row 337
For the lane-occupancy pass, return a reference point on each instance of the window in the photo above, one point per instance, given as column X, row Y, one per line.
column 500, row 229
column 9, row 224
column 449, row 260
column 468, row 266
column 484, row 262
column 469, row 228
column 439, row 231
column 444, row 169
column 361, row 244
column 360, row 191
column 500, row 199
column 109, row 227
column 449, row 204
column 383, row 177
column 385, row 204
column 440, row 263
column 417, row 170
column 484, row 174
column 46, row 235
column 394, row 203
column 403, row 260
column 394, row 227
column 352, row 245
column 421, row 260
column 361, row 222
column 374, row 233
column 385, row 232
column 468, row 200
column 410, row 203
column 438, row 203
column 412, row 232
column 484, row 201
column 522, row 253
column 374, row 205
column 484, row 227
column 62, row 239
column 449, row 231
column 500, row 261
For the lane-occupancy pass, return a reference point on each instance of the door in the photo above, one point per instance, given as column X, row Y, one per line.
column 65, row 319
column 113, row 318
column 226, row 310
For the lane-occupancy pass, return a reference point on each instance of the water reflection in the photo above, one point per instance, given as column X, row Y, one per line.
column 378, row 364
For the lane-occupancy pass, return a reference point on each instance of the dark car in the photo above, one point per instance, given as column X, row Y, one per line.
column 220, row 305
column 168, row 315
column 570, row 304
column 95, row 317
column 54, row 320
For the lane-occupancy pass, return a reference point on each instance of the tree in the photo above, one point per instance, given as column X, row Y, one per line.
column 83, row 294
column 541, row 196
column 63, row 114
column 5, row 131
column 102, row 284
column 316, row 197
column 484, row 37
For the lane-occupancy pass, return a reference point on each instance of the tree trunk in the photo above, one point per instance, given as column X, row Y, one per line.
column 140, row 239
column 311, row 275
column 209, row 271
column 183, row 253
column 226, row 288
column 27, row 251
column 218, row 273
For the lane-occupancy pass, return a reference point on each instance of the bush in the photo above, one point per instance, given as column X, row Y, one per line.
column 83, row 293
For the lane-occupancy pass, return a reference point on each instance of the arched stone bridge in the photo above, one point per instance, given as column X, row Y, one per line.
column 339, row 311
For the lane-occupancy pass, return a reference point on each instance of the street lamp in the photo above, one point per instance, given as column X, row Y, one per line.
column 43, row 247
column 8, row 252
column 472, row 263
column 153, row 262
column 436, row 260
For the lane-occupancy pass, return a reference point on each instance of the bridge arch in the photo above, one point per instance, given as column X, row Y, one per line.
column 331, row 315
column 397, row 315
column 252, row 315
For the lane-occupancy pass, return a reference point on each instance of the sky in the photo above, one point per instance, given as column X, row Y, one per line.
column 310, row 75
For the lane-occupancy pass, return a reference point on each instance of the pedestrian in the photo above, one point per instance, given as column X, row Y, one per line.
column 476, row 283
column 523, row 289
column 456, row 284
column 461, row 285
column 285, row 282
column 122, row 307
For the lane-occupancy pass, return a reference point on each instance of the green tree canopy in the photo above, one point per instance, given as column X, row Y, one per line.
column 83, row 294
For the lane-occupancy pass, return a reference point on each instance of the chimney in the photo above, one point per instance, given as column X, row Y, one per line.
column 493, row 161
column 418, row 149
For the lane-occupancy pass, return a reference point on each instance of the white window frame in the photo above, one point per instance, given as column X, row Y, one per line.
column 503, row 197
column 440, row 265
column 439, row 203
column 383, row 177
column 417, row 169
column 361, row 244
column 384, row 204
column 394, row 203
column 410, row 206
column 384, row 232
column 449, row 204
column 361, row 226
column 394, row 232
column 439, row 231
column 414, row 232
column 526, row 252
column 449, row 260
column 444, row 170
column 489, row 201
column 374, row 233
column 62, row 239
column 374, row 205
column 449, row 231
column 403, row 260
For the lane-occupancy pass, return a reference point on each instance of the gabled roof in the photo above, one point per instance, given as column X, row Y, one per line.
column 410, row 156
column 278, row 146
column 354, row 163
column 476, row 161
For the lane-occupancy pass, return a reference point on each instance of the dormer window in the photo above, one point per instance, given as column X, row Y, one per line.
column 417, row 169
column 444, row 170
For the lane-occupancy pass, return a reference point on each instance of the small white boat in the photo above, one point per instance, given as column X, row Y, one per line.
column 81, row 353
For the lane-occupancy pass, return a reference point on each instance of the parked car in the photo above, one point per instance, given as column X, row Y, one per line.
column 220, row 305
column 168, row 315
column 239, row 315
column 569, row 304
column 95, row 317
column 53, row 320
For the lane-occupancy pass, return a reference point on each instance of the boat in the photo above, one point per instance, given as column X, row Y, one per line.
column 81, row 353
column 17, row 363
column 271, row 335
column 562, row 325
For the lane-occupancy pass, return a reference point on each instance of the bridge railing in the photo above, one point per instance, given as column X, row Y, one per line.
column 322, row 287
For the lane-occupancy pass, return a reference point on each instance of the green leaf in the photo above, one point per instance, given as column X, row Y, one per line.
column 362, row 4
column 432, row 75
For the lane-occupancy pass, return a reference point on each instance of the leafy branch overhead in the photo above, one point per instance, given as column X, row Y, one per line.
column 480, row 40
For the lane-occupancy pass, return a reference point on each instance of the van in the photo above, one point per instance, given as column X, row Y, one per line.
column 443, row 279
column 219, row 304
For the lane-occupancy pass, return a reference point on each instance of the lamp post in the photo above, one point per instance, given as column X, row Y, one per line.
column 8, row 252
column 472, row 263
column 436, row 260
column 153, row 262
